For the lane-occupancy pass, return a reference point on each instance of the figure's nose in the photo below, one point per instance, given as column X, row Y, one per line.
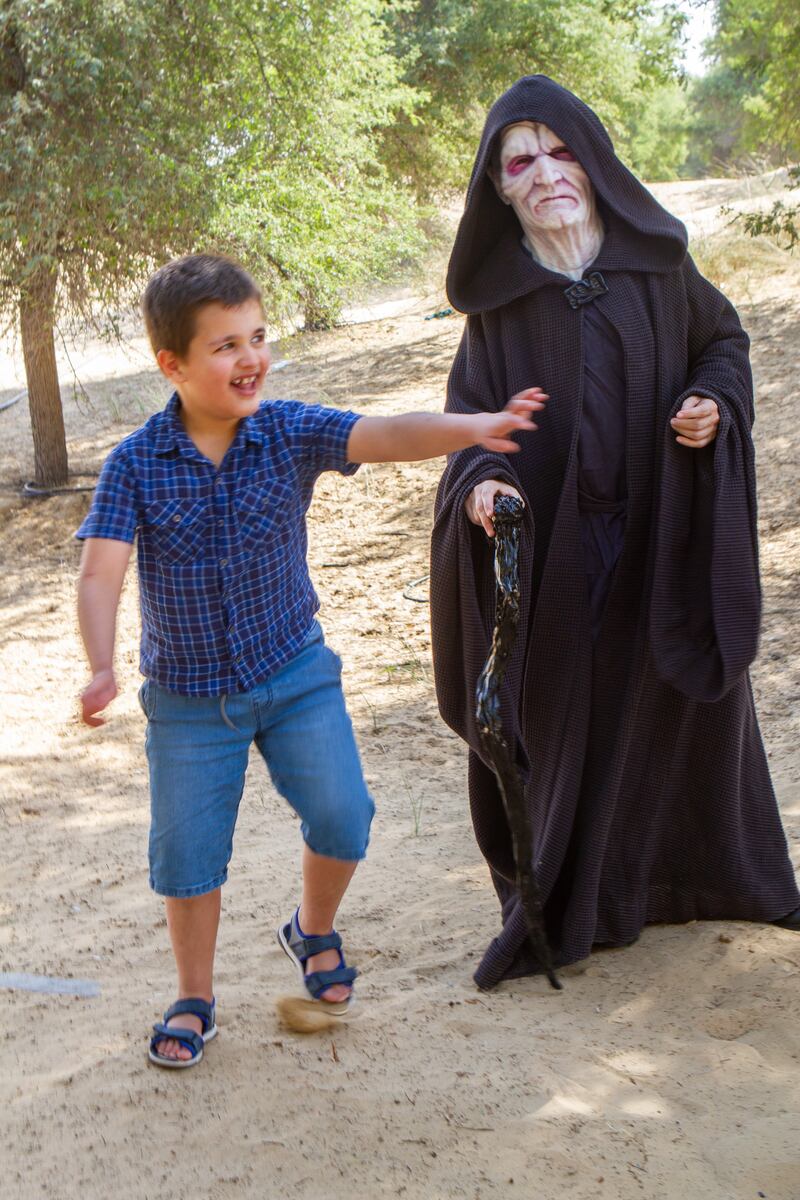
column 546, row 170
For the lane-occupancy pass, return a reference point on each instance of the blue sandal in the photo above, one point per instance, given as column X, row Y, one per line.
column 195, row 1042
column 300, row 948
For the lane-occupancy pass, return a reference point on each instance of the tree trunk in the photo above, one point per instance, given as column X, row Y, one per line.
column 37, row 319
column 316, row 313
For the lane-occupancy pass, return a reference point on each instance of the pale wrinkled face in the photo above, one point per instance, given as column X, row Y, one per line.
column 540, row 178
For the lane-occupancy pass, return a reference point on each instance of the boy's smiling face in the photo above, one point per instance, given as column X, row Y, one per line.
column 221, row 375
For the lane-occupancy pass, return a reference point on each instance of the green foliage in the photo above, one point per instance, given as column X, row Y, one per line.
column 307, row 200
column 102, row 165
column 459, row 55
column 781, row 222
column 716, row 122
column 132, row 130
column 762, row 43
column 748, row 108
column 658, row 140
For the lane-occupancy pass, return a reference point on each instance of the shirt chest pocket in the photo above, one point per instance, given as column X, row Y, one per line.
column 263, row 515
column 178, row 531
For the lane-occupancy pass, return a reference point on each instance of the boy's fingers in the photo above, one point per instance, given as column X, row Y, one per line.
column 89, row 710
column 531, row 391
column 511, row 420
column 97, row 696
column 522, row 406
column 533, row 399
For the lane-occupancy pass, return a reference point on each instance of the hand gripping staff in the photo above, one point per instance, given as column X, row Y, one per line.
column 507, row 522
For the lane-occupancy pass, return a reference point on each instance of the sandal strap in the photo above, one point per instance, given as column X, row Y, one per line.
column 196, row 1006
column 307, row 947
column 320, row 981
column 186, row 1037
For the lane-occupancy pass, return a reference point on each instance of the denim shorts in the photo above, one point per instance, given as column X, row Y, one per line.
column 197, row 751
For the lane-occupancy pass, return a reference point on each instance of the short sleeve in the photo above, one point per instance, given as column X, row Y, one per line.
column 113, row 513
column 318, row 436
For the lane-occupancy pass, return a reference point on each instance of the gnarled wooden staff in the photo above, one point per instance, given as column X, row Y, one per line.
column 507, row 522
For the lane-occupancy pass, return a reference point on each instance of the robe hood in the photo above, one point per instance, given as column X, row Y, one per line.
column 489, row 266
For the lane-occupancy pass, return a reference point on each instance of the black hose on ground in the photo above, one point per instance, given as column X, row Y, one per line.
column 33, row 489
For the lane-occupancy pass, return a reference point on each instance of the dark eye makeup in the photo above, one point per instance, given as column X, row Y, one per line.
column 521, row 161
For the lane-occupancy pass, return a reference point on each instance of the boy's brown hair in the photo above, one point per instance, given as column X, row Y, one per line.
column 181, row 287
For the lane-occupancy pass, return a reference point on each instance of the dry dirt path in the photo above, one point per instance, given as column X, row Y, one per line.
column 666, row 1070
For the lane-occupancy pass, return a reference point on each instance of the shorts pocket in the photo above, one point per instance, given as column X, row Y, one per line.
column 147, row 699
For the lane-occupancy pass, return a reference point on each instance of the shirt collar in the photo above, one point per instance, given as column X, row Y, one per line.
column 171, row 435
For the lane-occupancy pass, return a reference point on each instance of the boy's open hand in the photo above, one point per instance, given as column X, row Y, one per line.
column 100, row 692
column 492, row 429
column 414, row 436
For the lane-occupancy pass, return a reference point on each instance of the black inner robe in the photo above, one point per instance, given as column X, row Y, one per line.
column 602, row 489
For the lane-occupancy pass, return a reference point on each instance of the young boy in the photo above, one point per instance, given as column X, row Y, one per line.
column 217, row 487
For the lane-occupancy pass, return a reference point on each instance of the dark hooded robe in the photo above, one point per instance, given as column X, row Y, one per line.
column 627, row 700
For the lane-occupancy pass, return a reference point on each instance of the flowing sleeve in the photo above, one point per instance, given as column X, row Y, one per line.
column 462, row 579
column 706, row 598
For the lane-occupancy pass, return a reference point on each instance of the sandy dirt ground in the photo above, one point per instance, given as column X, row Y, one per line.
column 666, row 1070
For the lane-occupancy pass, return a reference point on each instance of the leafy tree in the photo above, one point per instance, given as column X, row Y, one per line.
column 762, row 43
column 716, row 120
column 102, row 166
column 658, row 138
column 132, row 130
column 461, row 54
column 758, row 47
column 781, row 221
column 308, row 202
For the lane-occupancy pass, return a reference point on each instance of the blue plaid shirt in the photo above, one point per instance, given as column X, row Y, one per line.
column 225, row 594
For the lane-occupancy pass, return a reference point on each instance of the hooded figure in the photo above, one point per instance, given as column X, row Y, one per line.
column 627, row 699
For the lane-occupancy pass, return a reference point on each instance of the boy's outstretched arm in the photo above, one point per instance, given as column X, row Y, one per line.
column 103, row 565
column 413, row 436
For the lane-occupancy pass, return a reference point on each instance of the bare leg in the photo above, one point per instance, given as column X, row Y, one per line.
column 325, row 882
column 192, row 925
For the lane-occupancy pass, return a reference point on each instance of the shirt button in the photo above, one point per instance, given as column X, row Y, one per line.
column 177, row 517
column 223, row 562
column 220, row 521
